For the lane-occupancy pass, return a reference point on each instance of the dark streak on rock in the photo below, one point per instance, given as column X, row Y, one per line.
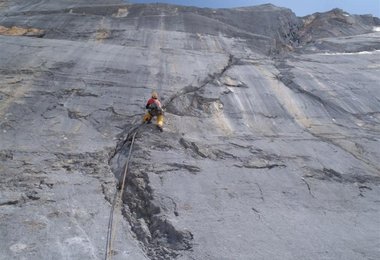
column 255, row 210
column 308, row 187
column 192, row 146
column 6, row 155
column 9, row 202
column 159, row 236
column 327, row 174
column 191, row 168
column 363, row 189
column 267, row 166
column 209, row 79
column 75, row 114
column 287, row 78
column 128, row 137
column 261, row 191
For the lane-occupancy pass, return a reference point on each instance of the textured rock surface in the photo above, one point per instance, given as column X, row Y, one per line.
column 270, row 148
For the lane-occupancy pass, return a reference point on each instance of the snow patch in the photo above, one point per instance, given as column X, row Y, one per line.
column 376, row 29
column 350, row 53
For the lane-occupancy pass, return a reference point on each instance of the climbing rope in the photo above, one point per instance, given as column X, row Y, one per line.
column 117, row 202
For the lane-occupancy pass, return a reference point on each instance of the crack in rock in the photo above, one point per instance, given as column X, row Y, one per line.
column 78, row 92
column 190, row 168
column 327, row 174
column 9, row 202
column 308, row 187
column 256, row 211
column 362, row 189
column 260, row 165
column 171, row 167
column 205, row 151
column 208, row 80
column 261, row 191
column 261, row 160
column 148, row 221
column 76, row 114
column 267, row 116
column 192, row 146
column 125, row 137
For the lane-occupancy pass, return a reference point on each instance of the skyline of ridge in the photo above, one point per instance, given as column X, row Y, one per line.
column 299, row 7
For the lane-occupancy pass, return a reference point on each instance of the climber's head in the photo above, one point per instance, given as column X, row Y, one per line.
column 154, row 95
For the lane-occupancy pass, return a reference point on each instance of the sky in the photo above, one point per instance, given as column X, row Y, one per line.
column 299, row 7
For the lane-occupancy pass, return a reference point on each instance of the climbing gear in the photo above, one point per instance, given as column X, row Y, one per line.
column 154, row 110
column 117, row 201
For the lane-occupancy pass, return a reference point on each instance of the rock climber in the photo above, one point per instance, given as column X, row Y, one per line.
column 154, row 109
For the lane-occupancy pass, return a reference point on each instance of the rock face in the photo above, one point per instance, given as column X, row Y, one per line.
column 335, row 23
column 270, row 146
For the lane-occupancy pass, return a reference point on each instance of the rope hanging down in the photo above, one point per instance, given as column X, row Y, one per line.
column 117, row 201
